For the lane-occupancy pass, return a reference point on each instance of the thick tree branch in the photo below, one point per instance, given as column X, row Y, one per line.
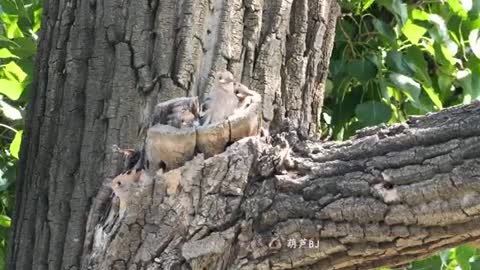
column 386, row 197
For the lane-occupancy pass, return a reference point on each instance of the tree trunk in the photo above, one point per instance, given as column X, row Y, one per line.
column 101, row 68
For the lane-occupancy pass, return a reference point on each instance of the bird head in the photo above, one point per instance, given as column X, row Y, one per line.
column 224, row 77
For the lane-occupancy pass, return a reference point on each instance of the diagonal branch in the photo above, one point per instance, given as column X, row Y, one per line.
column 386, row 197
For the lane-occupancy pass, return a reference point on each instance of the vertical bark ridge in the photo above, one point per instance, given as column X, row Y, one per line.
column 103, row 65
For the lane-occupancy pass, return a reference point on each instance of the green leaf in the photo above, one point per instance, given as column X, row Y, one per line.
column 441, row 35
column 443, row 55
column 431, row 263
column 373, row 112
column 367, row 4
column 465, row 80
column 13, row 72
column 11, row 27
column 474, row 40
column 5, row 221
column 26, row 47
column 413, row 31
column 418, row 14
column 386, row 31
column 5, row 53
column 445, row 255
column 37, row 20
column 12, row 89
column 433, row 97
column 396, row 62
column 9, row 111
column 9, row 6
column 459, row 9
column 416, row 62
column 407, row 85
column 362, row 69
column 462, row 255
column 396, row 7
column 4, row 183
column 15, row 145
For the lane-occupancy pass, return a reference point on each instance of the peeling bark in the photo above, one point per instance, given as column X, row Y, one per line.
column 388, row 196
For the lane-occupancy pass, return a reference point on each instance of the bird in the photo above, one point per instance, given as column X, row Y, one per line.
column 182, row 119
column 243, row 95
column 123, row 184
column 222, row 101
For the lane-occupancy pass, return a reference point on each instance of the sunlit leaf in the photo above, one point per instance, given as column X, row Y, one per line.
column 445, row 255
column 13, row 72
column 5, row 221
column 433, row 97
column 9, row 111
column 468, row 84
column 407, row 85
column 11, row 27
column 459, row 8
column 462, row 255
column 366, row 4
column 474, row 40
column 15, row 145
column 443, row 55
column 441, row 35
column 37, row 20
column 418, row 14
column 5, row 53
column 12, row 89
column 413, row 32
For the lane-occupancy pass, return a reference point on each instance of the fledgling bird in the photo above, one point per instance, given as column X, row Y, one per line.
column 182, row 119
column 222, row 100
column 243, row 95
column 123, row 184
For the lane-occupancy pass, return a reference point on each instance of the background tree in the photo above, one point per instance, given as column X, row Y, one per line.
column 136, row 40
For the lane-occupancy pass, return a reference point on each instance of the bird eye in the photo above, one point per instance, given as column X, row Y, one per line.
column 119, row 183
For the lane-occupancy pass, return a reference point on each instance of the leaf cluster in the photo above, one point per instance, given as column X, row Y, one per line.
column 19, row 22
column 393, row 59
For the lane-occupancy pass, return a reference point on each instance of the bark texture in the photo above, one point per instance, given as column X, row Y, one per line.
column 103, row 65
column 387, row 197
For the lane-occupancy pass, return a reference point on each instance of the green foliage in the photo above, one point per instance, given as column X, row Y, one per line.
column 393, row 59
column 463, row 257
column 19, row 21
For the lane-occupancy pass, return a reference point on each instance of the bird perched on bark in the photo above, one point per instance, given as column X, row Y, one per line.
column 123, row 184
column 182, row 119
column 243, row 95
column 222, row 101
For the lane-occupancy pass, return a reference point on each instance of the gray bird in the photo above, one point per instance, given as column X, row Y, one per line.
column 181, row 119
column 243, row 95
column 222, row 101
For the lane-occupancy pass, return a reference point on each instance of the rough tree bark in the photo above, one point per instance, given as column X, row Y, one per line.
column 388, row 196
